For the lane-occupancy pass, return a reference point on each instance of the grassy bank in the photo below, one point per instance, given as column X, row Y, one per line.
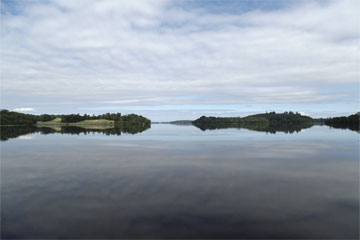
column 85, row 123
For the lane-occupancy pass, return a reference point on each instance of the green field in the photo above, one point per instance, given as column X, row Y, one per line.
column 96, row 122
column 56, row 121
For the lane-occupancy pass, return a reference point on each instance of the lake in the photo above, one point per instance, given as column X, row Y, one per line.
column 175, row 181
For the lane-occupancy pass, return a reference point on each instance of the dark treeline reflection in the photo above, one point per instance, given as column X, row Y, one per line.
column 17, row 131
column 351, row 126
column 286, row 128
column 351, row 122
column 79, row 130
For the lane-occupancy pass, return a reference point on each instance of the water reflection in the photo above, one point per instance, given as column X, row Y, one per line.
column 351, row 126
column 109, row 188
column 17, row 131
column 14, row 132
column 8, row 132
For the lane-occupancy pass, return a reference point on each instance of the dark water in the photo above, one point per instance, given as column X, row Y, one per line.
column 181, row 182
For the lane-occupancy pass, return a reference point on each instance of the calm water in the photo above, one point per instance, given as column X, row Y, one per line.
column 181, row 182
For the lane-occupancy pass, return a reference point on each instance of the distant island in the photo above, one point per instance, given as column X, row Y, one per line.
column 288, row 122
column 269, row 122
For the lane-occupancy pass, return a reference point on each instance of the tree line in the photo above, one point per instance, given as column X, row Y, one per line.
column 15, row 118
column 284, row 119
column 73, row 118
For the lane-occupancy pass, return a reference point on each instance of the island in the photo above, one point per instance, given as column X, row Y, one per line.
column 272, row 122
column 109, row 123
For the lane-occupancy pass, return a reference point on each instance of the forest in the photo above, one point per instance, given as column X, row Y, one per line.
column 15, row 118
column 73, row 118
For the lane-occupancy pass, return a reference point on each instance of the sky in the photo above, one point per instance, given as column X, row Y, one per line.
column 175, row 60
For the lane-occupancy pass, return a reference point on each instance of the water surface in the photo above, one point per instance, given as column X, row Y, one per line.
column 181, row 182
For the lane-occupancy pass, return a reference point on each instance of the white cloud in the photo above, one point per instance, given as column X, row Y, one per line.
column 24, row 109
column 151, row 52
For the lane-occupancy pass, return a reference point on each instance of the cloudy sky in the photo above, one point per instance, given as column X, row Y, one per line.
column 171, row 60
